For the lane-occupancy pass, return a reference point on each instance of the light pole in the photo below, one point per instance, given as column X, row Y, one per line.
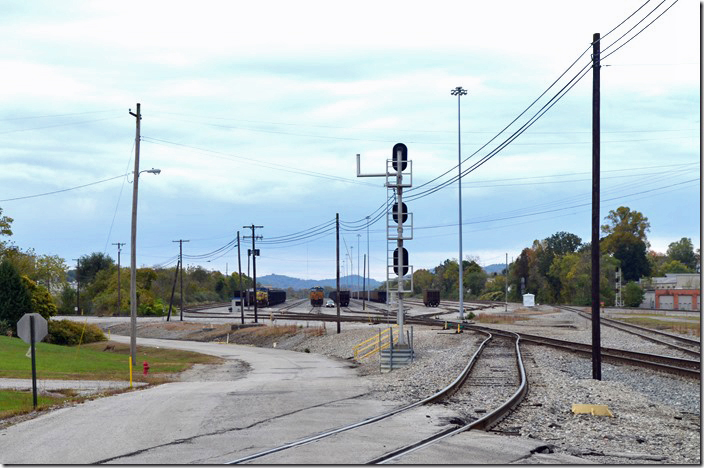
column 133, row 240
column 459, row 92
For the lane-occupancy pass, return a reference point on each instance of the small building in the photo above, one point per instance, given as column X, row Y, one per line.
column 678, row 291
column 529, row 300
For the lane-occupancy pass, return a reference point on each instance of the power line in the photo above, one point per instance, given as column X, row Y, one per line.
column 64, row 190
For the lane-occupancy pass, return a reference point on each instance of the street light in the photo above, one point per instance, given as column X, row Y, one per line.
column 133, row 258
column 459, row 92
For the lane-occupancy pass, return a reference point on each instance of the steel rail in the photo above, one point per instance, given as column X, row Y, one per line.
column 483, row 423
column 448, row 390
column 642, row 332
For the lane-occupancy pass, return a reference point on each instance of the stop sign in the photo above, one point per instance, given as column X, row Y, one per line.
column 24, row 328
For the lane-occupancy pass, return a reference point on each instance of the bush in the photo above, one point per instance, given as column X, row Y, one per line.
column 68, row 333
column 153, row 309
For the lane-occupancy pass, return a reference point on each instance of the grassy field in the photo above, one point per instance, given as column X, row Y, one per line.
column 670, row 326
column 95, row 361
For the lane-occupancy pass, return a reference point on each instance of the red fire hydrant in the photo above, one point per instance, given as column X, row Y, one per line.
column 146, row 367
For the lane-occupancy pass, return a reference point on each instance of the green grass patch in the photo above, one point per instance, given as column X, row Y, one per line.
column 94, row 361
column 671, row 326
column 14, row 402
column 499, row 318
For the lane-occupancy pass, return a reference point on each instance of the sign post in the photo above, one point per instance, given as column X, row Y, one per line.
column 32, row 328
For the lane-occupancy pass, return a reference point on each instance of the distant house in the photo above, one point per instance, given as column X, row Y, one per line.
column 677, row 291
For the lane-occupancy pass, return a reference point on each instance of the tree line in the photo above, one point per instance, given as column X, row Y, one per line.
column 556, row 269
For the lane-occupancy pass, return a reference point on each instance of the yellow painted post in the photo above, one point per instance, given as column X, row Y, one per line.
column 130, row 360
column 458, row 328
column 80, row 340
column 445, row 325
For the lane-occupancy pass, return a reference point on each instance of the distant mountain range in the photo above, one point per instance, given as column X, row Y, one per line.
column 346, row 282
column 497, row 268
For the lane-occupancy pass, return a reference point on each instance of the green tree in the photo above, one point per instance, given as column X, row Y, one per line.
column 90, row 265
column 631, row 253
column 633, row 294
column 422, row 279
column 5, row 230
column 674, row 266
column 15, row 300
column 624, row 225
column 683, row 251
column 67, row 300
column 42, row 302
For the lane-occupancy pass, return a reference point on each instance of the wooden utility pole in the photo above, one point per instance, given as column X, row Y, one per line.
column 239, row 271
column 337, row 242
column 173, row 290
column 78, row 286
column 596, row 156
column 119, row 290
column 254, row 266
column 180, row 261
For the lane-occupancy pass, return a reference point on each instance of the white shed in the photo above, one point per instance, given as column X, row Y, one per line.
column 529, row 300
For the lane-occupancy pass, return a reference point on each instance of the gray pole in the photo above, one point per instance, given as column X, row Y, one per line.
column 78, row 286
column 369, row 268
column 133, row 243
column 358, row 236
column 596, row 160
column 459, row 91
column 337, row 244
column 399, row 248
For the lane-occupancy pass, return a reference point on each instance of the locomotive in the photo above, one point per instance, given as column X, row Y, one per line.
column 317, row 294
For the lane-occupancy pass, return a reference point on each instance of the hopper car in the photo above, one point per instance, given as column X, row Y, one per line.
column 344, row 298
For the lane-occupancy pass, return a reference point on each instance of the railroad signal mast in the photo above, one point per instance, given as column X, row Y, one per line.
column 399, row 227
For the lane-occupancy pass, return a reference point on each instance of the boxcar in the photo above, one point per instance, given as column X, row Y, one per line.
column 431, row 297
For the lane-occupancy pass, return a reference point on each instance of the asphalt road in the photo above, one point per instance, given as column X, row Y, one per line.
column 285, row 396
column 189, row 422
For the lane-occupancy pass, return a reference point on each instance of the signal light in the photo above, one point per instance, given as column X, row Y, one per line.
column 404, row 212
column 403, row 266
column 400, row 150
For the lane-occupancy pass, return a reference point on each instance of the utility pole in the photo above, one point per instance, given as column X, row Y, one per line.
column 358, row 236
column 364, row 284
column 596, row 169
column 133, row 240
column 78, row 286
column 119, row 289
column 337, row 257
column 255, row 253
column 506, row 278
column 180, row 261
column 239, row 270
column 459, row 91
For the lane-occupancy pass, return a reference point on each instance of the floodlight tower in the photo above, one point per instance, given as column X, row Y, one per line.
column 459, row 92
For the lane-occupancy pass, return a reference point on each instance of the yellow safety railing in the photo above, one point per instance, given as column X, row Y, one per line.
column 376, row 343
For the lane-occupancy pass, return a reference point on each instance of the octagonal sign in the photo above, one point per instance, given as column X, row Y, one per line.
column 24, row 329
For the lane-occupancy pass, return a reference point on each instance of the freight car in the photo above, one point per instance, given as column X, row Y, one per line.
column 431, row 297
column 378, row 296
column 317, row 294
column 248, row 297
column 344, row 298
column 269, row 296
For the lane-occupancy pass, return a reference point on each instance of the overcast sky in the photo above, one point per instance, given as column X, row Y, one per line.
column 254, row 112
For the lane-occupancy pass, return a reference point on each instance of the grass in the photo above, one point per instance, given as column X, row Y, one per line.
column 684, row 328
column 95, row 361
column 499, row 318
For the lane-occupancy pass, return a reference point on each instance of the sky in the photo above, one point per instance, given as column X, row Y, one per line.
column 255, row 111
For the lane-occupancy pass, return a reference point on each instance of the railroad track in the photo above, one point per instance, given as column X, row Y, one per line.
column 494, row 416
column 683, row 344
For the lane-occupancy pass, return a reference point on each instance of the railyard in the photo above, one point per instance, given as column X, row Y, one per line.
column 656, row 414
